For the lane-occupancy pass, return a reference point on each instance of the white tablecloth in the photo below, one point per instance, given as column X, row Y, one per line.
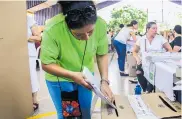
column 164, row 78
column 161, row 75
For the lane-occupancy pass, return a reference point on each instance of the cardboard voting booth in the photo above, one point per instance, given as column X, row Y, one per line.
column 161, row 106
column 157, row 103
column 123, row 111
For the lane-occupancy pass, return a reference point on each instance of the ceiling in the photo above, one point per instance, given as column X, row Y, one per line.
column 33, row 6
column 179, row 2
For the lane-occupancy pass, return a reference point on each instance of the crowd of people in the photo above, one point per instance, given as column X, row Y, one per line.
column 128, row 39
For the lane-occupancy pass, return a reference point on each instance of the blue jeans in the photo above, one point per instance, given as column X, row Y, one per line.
column 84, row 97
column 121, row 51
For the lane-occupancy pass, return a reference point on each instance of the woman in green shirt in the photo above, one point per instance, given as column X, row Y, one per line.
column 70, row 41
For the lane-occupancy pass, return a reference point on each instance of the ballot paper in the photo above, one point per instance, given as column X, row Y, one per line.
column 139, row 107
column 95, row 87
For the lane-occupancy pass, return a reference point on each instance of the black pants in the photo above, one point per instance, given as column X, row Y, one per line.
column 146, row 86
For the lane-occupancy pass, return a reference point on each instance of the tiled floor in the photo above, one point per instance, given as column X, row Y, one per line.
column 119, row 85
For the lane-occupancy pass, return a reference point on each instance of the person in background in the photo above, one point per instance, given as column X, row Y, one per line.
column 120, row 43
column 33, row 37
column 109, row 41
column 176, row 43
column 170, row 37
column 112, row 34
column 113, row 37
column 37, row 62
column 139, row 34
column 121, row 26
column 150, row 41
column 162, row 33
column 70, row 42
column 37, row 45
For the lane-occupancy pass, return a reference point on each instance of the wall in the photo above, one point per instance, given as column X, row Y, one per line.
column 15, row 88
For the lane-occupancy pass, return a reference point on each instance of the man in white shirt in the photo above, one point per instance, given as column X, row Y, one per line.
column 33, row 36
column 149, row 42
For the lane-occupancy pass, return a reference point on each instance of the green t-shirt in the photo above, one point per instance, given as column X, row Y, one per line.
column 60, row 47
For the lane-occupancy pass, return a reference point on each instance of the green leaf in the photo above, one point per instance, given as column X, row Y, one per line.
column 125, row 15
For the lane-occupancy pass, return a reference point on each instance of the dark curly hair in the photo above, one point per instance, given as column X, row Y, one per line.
column 78, row 13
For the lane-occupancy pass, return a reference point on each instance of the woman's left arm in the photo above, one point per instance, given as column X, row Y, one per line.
column 102, row 61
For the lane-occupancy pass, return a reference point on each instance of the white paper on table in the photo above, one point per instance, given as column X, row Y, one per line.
column 140, row 108
column 96, row 88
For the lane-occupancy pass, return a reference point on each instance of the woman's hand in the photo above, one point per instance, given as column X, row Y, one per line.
column 35, row 39
column 79, row 78
column 105, row 89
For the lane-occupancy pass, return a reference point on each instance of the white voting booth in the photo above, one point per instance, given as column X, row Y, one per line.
column 159, row 69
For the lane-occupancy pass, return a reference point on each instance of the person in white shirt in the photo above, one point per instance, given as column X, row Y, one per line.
column 109, row 40
column 149, row 42
column 176, row 43
column 120, row 43
column 33, row 36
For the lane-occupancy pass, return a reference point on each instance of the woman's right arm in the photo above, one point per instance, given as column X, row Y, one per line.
column 56, row 70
